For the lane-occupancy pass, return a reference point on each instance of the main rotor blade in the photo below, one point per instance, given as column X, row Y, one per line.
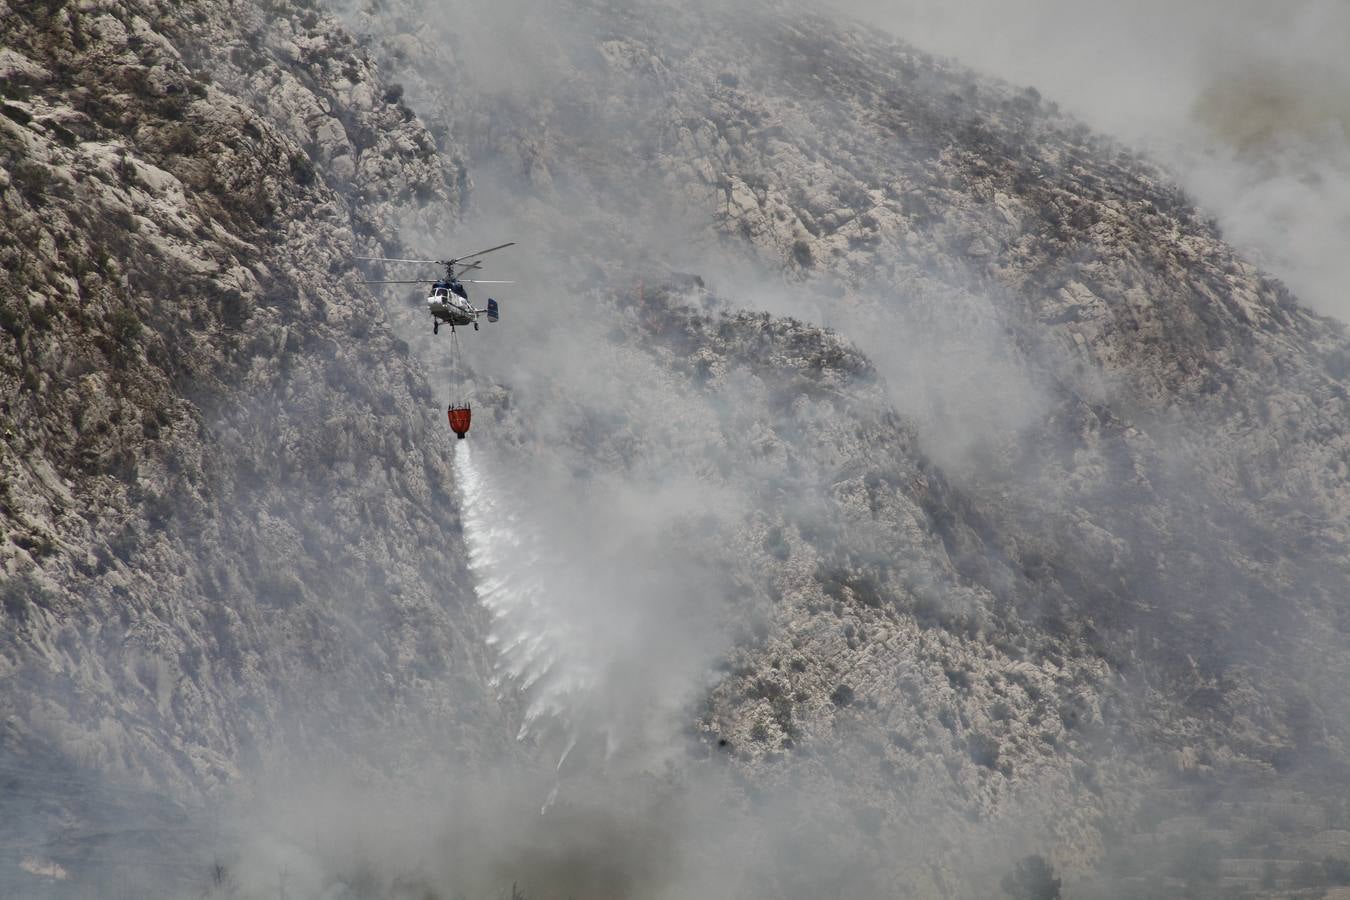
column 486, row 282
column 423, row 281
column 484, row 252
column 428, row 262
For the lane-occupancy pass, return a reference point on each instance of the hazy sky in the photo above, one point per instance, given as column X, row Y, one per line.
column 1248, row 101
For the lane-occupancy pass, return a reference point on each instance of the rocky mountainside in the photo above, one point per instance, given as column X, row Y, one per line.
column 1130, row 442
column 228, row 534
column 1053, row 520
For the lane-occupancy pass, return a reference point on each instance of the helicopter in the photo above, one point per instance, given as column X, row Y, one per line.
column 448, row 301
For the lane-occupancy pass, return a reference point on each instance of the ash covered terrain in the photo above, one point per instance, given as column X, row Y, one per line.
column 881, row 484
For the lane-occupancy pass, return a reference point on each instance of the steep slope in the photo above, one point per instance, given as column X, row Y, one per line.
column 228, row 539
column 870, row 682
column 1144, row 436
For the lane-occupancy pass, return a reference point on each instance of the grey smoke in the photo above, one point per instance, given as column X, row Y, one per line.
column 604, row 623
column 1247, row 101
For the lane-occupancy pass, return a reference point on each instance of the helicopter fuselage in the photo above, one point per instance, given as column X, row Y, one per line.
column 449, row 303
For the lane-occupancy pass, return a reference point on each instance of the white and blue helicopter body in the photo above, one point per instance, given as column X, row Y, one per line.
column 448, row 301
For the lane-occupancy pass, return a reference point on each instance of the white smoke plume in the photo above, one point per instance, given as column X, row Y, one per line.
column 1247, row 101
column 603, row 628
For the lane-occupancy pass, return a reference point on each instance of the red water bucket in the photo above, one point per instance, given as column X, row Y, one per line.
column 460, row 416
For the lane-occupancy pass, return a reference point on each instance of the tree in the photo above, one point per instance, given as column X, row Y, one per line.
column 1032, row 879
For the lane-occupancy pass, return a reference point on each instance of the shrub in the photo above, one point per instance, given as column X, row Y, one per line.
column 776, row 545
column 281, row 590
column 984, row 751
column 801, row 253
column 1032, row 879
column 11, row 319
column 302, row 170
column 1308, row 875
column 124, row 332
column 33, row 181
column 18, row 595
column 1337, row 871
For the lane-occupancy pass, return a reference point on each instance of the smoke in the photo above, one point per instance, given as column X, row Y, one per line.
column 1250, row 137
column 476, row 833
column 942, row 351
column 1246, row 101
column 602, row 623
column 596, row 487
column 454, row 833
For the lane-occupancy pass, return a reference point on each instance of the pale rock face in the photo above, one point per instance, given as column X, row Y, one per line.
column 191, row 382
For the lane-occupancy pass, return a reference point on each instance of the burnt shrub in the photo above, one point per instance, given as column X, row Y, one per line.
column 302, row 170
column 1308, row 874
column 776, row 545
column 839, row 582
column 1337, row 871
column 124, row 335
column 124, row 544
column 33, row 182
column 842, row 696
column 282, row 590
column 1196, row 861
column 870, row 819
column 38, row 545
column 1032, row 879
column 984, row 751
column 18, row 595
column 12, row 319
column 802, row 255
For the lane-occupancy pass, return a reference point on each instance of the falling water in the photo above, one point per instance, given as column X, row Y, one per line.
column 512, row 569
column 604, row 636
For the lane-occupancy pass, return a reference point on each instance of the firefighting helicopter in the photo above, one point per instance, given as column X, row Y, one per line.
column 448, row 301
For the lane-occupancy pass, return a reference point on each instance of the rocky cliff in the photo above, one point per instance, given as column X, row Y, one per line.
column 228, row 533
